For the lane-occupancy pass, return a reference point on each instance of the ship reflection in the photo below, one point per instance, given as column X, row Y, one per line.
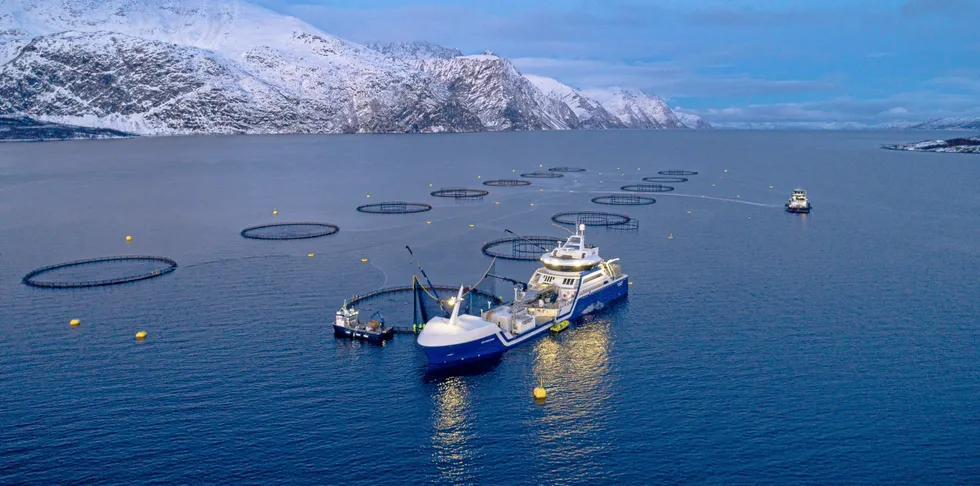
column 452, row 430
column 575, row 370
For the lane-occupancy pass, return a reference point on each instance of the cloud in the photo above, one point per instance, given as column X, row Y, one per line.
column 912, row 106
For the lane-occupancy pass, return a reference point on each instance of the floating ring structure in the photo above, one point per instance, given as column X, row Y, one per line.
column 358, row 299
column 566, row 169
column 289, row 231
column 394, row 207
column 507, row 183
column 542, row 175
column 460, row 193
column 590, row 218
column 675, row 172
column 624, row 200
column 528, row 248
column 665, row 179
column 168, row 266
column 646, row 188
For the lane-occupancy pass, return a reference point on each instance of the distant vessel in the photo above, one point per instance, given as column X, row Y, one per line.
column 348, row 324
column 574, row 281
column 798, row 202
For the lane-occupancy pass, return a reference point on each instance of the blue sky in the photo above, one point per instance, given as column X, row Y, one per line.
column 729, row 60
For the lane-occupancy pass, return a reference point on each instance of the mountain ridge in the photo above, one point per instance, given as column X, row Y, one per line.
column 230, row 66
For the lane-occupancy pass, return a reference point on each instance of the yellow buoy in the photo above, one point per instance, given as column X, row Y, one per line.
column 631, row 283
column 726, row 170
column 430, row 184
column 540, row 393
column 617, row 168
column 770, row 187
column 712, row 184
column 141, row 335
column 309, row 255
column 512, row 170
column 428, row 222
column 540, row 165
column 364, row 260
column 74, row 322
column 367, row 196
column 496, row 202
column 532, row 204
column 637, row 168
column 129, row 238
column 688, row 212
column 472, row 225
column 275, row 212
column 477, row 177
column 670, row 236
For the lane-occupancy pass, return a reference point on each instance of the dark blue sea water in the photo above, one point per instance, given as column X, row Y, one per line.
column 756, row 346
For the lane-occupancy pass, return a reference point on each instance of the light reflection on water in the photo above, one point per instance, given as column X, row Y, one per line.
column 452, row 430
column 575, row 370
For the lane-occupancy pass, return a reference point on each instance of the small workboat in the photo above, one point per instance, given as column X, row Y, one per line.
column 348, row 324
column 798, row 202
column 561, row 326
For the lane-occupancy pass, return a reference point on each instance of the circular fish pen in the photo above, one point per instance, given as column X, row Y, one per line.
column 133, row 268
column 460, row 193
column 507, row 183
column 624, row 200
column 675, row 172
column 591, row 218
column 289, row 231
column 566, row 169
column 528, row 248
column 394, row 207
column 665, row 179
column 542, row 175
column 646, row 188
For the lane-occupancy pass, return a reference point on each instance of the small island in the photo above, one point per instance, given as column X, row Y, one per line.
column 26, row 129
column 965, row 145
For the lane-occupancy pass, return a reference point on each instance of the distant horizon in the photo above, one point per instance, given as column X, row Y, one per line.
column 741, row 61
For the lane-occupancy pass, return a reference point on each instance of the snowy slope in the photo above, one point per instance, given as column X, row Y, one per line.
column 590, row 113
column 492, row 88
column 636, row 109
column 414, row 50
column 690, row 120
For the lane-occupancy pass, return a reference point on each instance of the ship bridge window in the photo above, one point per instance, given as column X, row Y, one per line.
column 549, row 279
column 568, row 281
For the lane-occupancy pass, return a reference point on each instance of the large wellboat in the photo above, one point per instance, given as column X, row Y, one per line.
column 573, row 282
column 798, row 202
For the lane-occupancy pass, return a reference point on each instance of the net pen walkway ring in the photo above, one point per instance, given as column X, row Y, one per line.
column 542, row 175
column 566, row 169
column 395, row 207
column 289, row 231
column 507, row 183
column 624, row 200
column 31, row 279
column 646, row 188
column 665, row 179
column 460, row 193
column 677, row 172
column 528, row 248
column 590, row 218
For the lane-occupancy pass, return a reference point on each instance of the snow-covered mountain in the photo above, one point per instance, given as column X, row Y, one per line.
column 230, row 66
column 591, row 114
column 690, row 120
column 636, row 109
column 955, row 123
